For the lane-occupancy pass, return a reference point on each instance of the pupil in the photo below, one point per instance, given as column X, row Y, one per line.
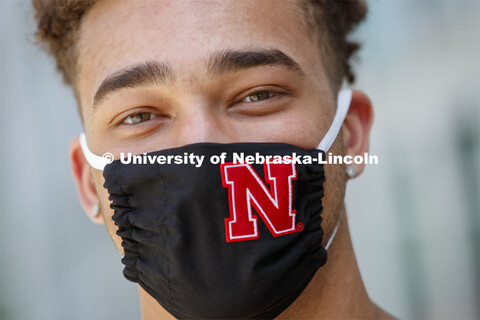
column 139, row 117
column 259, row 96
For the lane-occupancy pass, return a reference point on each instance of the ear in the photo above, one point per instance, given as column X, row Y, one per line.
column 356, row 127
column 84, row 182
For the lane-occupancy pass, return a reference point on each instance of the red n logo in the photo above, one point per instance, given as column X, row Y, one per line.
column 273, row 205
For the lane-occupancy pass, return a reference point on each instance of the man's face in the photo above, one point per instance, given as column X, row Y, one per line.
column 162, row 74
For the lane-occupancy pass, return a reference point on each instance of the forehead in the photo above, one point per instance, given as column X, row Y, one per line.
column 115, row 34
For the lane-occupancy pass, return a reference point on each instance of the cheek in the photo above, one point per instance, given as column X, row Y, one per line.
column 334, row 187
column 304, row 129
column 111, row 227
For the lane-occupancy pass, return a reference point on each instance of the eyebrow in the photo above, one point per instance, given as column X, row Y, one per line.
column 232, row 60
column 155, row 72
column 151, row 72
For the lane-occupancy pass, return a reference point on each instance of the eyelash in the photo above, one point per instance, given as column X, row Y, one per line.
column 270, row 94
column 146, row 114
column 151, row 116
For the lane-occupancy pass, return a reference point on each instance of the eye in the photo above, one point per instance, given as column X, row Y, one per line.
column 260, row 101
column 258, row 96
column 139, row 117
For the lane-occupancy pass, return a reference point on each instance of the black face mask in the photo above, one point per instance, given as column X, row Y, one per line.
column 221, row 241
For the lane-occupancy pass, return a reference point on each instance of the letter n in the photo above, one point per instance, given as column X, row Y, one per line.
column 273, row 205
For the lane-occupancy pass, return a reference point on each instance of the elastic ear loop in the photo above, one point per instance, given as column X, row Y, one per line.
column 344, row 99
column 334, row 233
column 93, row 160
column 343, row 104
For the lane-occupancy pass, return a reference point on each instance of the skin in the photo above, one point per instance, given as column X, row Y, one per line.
column 198, row 106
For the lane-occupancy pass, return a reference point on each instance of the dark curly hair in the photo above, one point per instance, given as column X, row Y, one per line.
column 58, row 22
column 331, row 21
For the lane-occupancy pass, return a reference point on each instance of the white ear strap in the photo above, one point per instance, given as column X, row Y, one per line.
column 343, row 103
column 334, row 233
column 95, row 161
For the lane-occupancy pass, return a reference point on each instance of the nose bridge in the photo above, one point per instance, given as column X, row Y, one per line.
column 197, row 122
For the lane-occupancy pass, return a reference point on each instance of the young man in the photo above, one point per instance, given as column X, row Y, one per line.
column 156, row 75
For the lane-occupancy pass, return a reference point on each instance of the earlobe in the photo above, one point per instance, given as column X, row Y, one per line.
column 356, row 127
column 84, row 182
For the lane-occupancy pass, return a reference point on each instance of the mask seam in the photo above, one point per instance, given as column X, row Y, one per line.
column 131, row 240
column 169, row 286
column 131, row 226
column 314, row 263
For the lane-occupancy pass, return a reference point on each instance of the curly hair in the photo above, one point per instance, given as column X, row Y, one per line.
column 332, row 21
column 58, row 22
